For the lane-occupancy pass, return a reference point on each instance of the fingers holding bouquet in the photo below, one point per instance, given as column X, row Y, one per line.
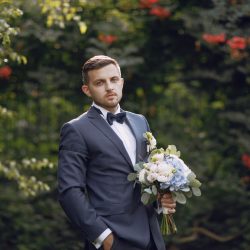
column 167, row 202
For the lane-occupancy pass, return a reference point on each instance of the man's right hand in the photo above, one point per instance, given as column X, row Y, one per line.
column 108, row 242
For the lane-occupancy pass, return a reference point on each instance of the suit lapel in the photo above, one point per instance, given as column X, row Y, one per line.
column 137, row 134
column 105, row 128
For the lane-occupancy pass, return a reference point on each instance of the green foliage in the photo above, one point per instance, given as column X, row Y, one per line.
column 10, row 169
column 29, row 186
column 57, row 13
column 33, row 223
column 195, row 94
column 8, row 12
column 63, row 11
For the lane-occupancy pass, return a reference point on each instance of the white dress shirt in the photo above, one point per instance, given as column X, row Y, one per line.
column 129, row 142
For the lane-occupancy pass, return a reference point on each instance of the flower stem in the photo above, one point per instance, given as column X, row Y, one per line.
column 168, row 226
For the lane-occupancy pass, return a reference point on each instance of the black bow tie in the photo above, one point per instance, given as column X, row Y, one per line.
column 120, row 117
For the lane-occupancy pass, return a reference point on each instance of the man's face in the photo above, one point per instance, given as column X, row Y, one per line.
column 105, row 87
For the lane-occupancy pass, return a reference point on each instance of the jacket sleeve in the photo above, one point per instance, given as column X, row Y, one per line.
column 72, row 167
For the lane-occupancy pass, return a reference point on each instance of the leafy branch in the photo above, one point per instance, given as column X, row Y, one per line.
column 57, row 13
column 28, row 185
column 15, row 170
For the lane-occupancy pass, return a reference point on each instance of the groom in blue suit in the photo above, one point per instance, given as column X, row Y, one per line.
column 97, row 152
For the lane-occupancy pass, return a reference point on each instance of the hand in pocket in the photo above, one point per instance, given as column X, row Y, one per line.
column 108, row 242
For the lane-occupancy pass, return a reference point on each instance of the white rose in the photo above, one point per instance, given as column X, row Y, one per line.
column 165, row 169
column 152, row 143
column 163, row 178
column 141, row 176
column 157, row 157
column 152, row 177
column 146, row 166
column 152, row 168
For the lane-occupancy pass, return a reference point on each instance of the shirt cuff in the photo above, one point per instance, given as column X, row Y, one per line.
column 98, row 242
column 158, row 207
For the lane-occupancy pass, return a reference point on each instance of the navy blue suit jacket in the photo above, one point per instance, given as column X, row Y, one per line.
column 92, row 180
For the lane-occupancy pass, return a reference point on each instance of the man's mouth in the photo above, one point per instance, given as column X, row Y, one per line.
column 111, row 95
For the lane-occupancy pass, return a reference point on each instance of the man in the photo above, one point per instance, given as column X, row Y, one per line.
column 97, row 152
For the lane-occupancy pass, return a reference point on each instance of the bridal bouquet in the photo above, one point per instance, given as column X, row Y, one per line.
column 164, row 172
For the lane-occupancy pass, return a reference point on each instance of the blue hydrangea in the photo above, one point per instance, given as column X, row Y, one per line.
column 179, row 180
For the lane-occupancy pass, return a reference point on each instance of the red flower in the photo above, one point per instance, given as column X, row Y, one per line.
column 246, row 160
column 160, row 12
column 5, row 72
column 147, row 4
column 237, row 42
column 237, row 54
column 108, row 39
column 215, row 39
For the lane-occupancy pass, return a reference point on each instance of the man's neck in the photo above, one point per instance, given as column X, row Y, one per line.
column 105, row 111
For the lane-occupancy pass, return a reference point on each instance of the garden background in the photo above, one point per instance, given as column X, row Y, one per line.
column 186, row 68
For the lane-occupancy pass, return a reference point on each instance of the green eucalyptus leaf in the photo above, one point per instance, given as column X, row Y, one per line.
column 180, row 198
column 138, row 166
column 191, row 176
column 195, row 183
column 186, row 189
column 189, row 194
column 145, row 198
column 174, row 196
column 148, row 190
column 154, row 190
column 132, row 177
column 196, row 191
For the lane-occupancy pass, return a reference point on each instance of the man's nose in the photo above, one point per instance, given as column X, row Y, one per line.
column 109, row 86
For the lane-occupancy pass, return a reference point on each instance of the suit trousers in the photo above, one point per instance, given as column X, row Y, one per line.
column 121, row 244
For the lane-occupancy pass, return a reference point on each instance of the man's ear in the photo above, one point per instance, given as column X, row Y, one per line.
column 85, row 90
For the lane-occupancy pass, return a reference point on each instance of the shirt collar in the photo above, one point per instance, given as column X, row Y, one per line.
column 105, row 111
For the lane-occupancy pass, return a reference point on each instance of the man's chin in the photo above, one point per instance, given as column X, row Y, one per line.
column 112, row 104
column 109, row 105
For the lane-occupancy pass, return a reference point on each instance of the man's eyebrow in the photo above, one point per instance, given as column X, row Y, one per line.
column 99, row 79
column 103, row 79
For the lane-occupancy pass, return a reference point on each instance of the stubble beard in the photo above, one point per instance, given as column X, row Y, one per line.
column 111, row 106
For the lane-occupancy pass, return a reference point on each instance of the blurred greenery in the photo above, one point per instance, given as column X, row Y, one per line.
column 186, row 67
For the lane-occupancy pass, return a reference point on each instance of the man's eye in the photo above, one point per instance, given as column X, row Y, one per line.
column 99, row 83
column 114, row 79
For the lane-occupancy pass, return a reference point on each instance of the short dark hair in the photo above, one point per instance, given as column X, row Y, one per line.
column 97, row 62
